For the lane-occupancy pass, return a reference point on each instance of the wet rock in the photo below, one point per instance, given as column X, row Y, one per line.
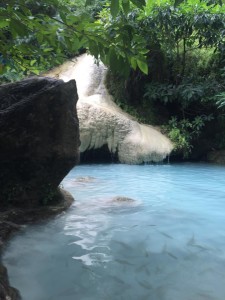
column 39, row 139
column 7, row 292
column 216, row 156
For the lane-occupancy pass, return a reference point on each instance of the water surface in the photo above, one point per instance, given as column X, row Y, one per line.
column 168, row 244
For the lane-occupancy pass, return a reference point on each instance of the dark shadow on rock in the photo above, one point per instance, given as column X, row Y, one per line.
column 39, row 139
column 100, row 155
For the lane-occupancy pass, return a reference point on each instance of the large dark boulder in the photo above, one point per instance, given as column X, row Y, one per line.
column 39, row 139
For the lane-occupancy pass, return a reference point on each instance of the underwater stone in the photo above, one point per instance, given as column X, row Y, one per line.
column 122, row 199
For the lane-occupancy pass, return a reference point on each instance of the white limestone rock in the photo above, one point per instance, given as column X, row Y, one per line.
column 102, row 122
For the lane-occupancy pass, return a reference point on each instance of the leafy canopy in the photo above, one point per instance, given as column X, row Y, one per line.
column 36, row 35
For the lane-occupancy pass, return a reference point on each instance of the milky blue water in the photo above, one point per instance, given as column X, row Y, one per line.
column 168, row 244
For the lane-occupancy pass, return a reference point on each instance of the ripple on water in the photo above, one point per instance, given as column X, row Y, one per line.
column 166, row 243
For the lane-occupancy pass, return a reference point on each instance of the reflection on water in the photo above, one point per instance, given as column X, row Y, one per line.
column 167, row 244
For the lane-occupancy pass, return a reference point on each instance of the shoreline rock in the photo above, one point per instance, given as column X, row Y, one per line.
column 6, row 291
column 39, row 138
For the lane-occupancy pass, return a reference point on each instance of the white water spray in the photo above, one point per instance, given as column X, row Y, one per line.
column 102, row 122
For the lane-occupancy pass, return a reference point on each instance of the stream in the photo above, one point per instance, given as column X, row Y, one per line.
column 166, row 242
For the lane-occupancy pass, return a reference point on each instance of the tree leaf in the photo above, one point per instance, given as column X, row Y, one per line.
column 93, row 48
column 18, row 27
column 126, row 6
column 133, row 63
column 47, row 49
column 178, row 2
column 3, row 23
column 2, row 69
column 143, row 66
column 88, row 2
column 114, row 8
column 113, row 60
column 139, row 3
column 63, row 17
column 32, row 62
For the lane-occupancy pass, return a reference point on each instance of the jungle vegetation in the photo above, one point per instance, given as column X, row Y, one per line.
column 166, row 57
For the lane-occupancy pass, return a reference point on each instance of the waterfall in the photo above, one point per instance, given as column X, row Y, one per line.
column 102, row 122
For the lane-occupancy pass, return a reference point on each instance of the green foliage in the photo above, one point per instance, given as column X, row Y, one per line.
column 170, row 52
column 36, row 35
column 184, row 94
column 114, row 8
column 126, row 47
column 220, row 100
column 182, row 133
column 186, row 45
column 185, row 42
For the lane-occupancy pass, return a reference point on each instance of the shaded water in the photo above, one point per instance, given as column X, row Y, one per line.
column 168, row 244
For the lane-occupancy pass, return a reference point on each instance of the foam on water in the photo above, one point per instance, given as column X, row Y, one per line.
column 167, row 244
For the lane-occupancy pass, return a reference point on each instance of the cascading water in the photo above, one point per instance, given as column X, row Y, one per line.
column 102, row 122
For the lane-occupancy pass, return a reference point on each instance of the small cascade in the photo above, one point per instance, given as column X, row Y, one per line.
column 102, row 122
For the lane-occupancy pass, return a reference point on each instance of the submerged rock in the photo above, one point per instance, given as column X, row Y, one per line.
column 103, row 125
column 84, row 179
column 39, row 139
column 15, row 219
column 122, row 199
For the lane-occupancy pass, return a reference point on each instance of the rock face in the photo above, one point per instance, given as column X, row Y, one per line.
column 7, row 292
column 132, row 142
column 103, row 125
column 217, row 157
column 39, row 139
